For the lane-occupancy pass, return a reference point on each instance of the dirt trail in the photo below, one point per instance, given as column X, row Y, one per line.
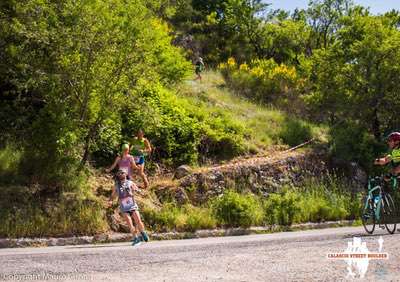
column 272, row 157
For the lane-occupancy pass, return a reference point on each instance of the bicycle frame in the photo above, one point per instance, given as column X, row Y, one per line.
column 371, row 199
column 379, row 207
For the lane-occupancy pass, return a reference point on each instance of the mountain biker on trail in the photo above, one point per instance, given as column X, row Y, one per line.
column 393, row 157
column 124, row 189
column 140, row 148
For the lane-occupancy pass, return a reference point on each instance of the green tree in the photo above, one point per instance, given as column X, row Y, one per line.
column 220, row 29
column 356, row 79
column 324, row 18
column 286, row 40
column 72, row 65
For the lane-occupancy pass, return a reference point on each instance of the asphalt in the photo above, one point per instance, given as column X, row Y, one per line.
column 287, row 256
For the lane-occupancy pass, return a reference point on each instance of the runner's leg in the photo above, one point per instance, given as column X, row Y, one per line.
column 138, row 220
column 128, row 220
column 143, row 175
column 140, row 225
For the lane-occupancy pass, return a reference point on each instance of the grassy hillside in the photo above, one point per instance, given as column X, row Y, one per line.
column 264, row 126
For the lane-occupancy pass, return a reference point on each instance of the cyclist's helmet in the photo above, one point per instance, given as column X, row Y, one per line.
column 394, row 136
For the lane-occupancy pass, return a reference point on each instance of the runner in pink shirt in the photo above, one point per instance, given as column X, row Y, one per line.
column 125, row 162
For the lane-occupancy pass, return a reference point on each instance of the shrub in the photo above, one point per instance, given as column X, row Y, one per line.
column 351, row 143
column 317, row 200
column 185, row 218
column 326, row 200
column 282, row 208
column 182, row 133
column 263, row 80
column 234, row 209
column 295, row 132
column 199, row 218
column 25, row 214
column 10, row 158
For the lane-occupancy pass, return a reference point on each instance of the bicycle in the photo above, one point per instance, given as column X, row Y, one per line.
column 379, row 207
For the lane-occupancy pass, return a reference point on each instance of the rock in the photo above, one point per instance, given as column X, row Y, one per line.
column 52, row 242
column 182, row 171
column 83, row 240
column 6, row 243
column 60, row 242
column 113, row 222
column 118, row 223
column 119, row 237
column 180, row 196
column 101, row 238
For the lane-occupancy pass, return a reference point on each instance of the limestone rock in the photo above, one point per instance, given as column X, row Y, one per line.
column 182, row 171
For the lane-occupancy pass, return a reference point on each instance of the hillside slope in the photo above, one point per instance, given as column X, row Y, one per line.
column 264, row 125
column 174, row 202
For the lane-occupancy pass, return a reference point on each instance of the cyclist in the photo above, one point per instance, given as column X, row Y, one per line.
column 125, row 162
column 140, row 148
column 393, row 157
column 124, row 189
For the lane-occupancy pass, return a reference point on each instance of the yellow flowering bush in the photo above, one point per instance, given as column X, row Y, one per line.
column 244, row 67
column 231, row 62
column 263, row 80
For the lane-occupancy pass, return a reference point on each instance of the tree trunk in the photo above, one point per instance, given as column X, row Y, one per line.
column 376, row 126
column 88, row 139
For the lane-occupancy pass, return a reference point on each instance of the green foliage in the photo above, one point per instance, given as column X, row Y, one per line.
column 282, row 208
column 325, row 19
column 9, row 163
column 317, row 200
column 351, row 143
column 233, row 209
column 70, row 68
column 294, row 132
column 182, row 133
column 248, row 127
column 285, row 40
column 219, row 29
column 355, row 79
column 184, row 218
column 25, row 213
column 263, row 80
column 166, row 121
column 328, row 199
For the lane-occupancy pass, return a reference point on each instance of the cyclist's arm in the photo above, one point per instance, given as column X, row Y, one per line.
column 383, row 161
column 113, row 165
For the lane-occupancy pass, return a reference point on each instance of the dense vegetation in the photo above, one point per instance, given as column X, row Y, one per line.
column 78, row 77
column 316, row 201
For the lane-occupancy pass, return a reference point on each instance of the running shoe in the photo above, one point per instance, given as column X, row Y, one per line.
column 136, row 241
column 145, row 236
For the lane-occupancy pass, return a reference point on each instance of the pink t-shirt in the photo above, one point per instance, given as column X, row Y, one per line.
column 125, row 164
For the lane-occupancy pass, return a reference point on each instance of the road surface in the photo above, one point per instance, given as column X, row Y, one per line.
column 288, row 256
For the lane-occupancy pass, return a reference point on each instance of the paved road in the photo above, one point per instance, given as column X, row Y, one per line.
column 289, row 256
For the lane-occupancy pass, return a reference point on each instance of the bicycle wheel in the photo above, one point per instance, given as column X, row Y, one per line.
column 388, row 212
column 368, row 215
